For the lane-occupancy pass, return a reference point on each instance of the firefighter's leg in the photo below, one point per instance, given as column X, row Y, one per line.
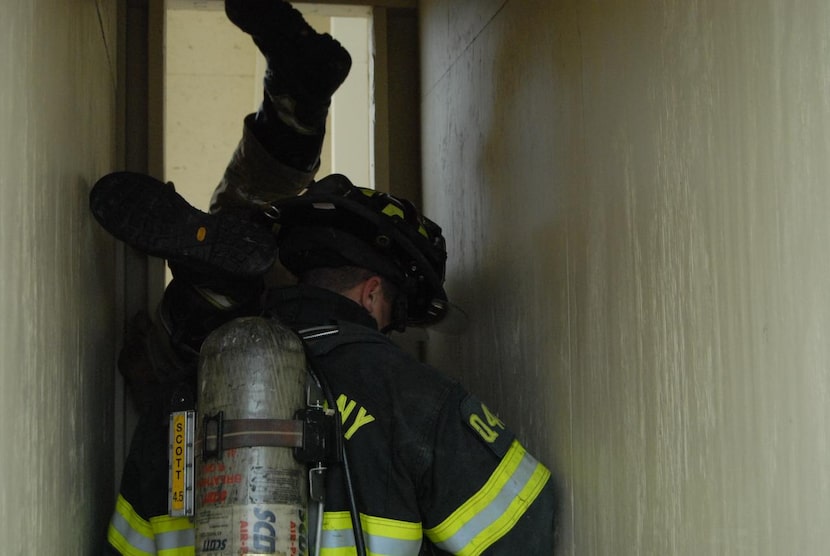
column 280, row 149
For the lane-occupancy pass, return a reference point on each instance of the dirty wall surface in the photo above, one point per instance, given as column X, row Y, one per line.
column 635, row 199
column 57, row 113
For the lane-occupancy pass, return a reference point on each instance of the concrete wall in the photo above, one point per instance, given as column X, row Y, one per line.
column 636, row 200
column 57, row 280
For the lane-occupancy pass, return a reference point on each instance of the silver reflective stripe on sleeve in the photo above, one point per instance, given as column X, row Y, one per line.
column 132, row 535
column 383, row 536
column 185, row 538
column 135, row 540
column 492, row 511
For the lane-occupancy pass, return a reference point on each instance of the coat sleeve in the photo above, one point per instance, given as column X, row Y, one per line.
column 482, row 492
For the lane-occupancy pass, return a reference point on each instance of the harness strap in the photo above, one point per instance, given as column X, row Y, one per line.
column 246, row 433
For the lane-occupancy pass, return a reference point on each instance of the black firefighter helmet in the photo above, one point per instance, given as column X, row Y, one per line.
column 334, row 223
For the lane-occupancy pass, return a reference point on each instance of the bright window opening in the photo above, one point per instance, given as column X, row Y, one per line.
column 213, row 78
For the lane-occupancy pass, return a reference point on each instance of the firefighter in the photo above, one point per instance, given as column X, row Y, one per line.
column 434, row 470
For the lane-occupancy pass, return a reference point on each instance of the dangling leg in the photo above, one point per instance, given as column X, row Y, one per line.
column 280, row 149
column 221, row 258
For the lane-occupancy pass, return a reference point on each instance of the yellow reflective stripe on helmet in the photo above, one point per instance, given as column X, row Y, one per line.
column 133, row 535
column 393, row 210
column 175, row 536
column 495, row 508
column 383, row 536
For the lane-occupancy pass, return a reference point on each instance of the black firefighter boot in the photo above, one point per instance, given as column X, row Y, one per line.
column 304, row 69
column 227, row 248
column 218, row 263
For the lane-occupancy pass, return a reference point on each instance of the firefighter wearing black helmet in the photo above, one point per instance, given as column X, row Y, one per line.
column 336, row 224
column 434, row 470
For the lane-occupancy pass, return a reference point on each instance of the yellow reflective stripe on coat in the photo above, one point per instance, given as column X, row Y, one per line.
column 383, row 536
column 495, row 509
column 133, row 535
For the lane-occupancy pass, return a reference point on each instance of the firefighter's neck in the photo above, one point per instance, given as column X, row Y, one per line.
column 369, row 295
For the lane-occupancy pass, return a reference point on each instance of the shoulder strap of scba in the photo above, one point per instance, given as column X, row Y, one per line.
column 310, row 337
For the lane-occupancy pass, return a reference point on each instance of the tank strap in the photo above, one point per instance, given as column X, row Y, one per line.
column 309, row 434
column 220, row 434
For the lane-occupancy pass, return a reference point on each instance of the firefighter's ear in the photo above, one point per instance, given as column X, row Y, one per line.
column 371, row 293
column 374, row 301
